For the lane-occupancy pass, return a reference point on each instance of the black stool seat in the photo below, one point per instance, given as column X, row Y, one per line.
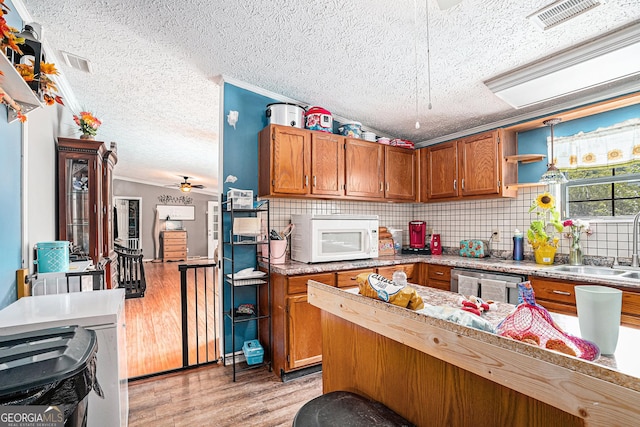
column 343, row 408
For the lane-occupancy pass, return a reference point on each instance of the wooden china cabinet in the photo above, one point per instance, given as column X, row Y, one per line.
column 84, row 200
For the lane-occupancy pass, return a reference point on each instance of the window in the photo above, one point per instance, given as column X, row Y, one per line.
column 603, row 168
column 607, row 192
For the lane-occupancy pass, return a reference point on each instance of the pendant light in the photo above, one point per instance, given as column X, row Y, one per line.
column 415, row 48
column 552, row 175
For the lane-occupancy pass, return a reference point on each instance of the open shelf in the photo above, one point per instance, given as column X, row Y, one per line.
column 17, row 89
column 525, row 158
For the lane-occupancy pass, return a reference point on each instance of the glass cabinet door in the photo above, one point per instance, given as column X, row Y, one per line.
column 77, row 185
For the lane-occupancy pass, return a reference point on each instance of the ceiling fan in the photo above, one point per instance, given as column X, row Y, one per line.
column 186, row 186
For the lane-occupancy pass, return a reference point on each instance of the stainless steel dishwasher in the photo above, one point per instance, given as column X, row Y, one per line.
column 511, row 280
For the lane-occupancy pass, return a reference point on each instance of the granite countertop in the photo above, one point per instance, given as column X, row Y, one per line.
column 529, row 268
column 620, row 368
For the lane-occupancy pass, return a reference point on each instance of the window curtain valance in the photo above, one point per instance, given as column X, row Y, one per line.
column 610, row 146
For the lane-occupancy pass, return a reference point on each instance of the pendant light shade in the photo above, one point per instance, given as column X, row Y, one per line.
column 552, row 175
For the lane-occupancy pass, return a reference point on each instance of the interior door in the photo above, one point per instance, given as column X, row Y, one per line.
column 212, row 228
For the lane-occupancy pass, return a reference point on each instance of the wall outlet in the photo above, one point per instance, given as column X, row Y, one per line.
column 495, row 233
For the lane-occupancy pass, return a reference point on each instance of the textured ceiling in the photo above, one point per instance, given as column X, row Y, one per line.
column 155, row 63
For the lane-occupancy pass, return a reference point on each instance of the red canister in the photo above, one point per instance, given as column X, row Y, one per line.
column 317, row 118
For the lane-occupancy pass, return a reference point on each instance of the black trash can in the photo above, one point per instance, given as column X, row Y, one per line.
column 50, row 367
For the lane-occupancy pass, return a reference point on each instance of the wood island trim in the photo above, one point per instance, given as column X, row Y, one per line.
column 568, row 385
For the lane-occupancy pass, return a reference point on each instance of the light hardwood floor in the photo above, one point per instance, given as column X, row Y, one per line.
column 154, row 322
column 207, row 396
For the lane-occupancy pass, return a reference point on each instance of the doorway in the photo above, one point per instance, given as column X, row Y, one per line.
column 127, row 224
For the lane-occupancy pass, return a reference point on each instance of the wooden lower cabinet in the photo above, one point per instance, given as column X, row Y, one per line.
column 347, row 279
column 411, row 270
column 174, row 245
column 559, row 296
column 297, row 337
column 438, row 276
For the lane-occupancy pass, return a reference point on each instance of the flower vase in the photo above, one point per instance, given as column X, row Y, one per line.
column 87, row 137
column 575, row 255
column 544, row 254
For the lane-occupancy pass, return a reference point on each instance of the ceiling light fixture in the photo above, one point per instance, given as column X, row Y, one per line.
column 552, row 175
column 604, row 59
column 415, row 48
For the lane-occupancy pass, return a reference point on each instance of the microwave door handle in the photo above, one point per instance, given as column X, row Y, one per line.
column 369, row 241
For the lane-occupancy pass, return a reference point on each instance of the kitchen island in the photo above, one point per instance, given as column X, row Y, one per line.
column 435, row 372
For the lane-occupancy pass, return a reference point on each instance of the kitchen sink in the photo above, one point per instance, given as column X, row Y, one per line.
column 594, row 270
column 631, row 275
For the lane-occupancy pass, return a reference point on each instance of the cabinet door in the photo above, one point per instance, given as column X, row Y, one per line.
column 479, row 164
column 80, row 208
column 400, row 173
column 442, row 179
column 289, row 160
column 364, row 169
column 304, row 333
column 327, row 164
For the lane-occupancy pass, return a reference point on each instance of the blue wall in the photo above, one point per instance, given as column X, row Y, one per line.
column 535, row 141
column 10, row 213
column 240, row 158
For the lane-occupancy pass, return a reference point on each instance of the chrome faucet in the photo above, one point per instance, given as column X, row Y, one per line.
column 634, row 230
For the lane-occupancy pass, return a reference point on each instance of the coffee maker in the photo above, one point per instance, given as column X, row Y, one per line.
column 417, row 232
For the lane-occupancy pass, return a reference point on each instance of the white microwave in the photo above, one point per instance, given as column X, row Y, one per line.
column 326, row 238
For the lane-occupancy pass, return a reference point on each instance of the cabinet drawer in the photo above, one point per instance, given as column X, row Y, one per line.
column 175, row 254
column 174, row 234
column 298, row 284
column 347, row 279
column 554, row 290
column 173, row 246
column 409, row 270
column 440, row 284
column 439, row 272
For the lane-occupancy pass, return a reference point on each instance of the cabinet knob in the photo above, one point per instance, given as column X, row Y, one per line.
column 455, row 184
column 555, row 291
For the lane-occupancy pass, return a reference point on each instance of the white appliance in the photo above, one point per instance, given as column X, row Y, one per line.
column 101, row 311
column 326, row 238
column 486, row 284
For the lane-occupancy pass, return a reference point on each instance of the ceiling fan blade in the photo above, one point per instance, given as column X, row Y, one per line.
column 197, row 186
column 446, row 4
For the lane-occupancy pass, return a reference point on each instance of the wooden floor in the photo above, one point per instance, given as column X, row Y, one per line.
column 204, row 396
column 207, row 396
column 154, row 323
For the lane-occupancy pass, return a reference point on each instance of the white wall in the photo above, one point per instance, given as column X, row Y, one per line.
column 42, row 128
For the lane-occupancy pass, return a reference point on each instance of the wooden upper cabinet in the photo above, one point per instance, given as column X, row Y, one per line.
column 285, row 161
column 400, row 173
column 479, row 164
column 327, row 164
column 474, row 167
column 442, row 171
column 364, row 169
column 299, row 162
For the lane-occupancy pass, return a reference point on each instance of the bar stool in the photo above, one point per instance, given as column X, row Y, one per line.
column 343, row 408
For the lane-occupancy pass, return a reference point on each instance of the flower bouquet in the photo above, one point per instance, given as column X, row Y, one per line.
column 542, row 231
column 576, row 228
column 88, row 124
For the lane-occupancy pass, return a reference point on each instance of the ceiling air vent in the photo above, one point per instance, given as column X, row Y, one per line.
column 77, row 62
column 561, row 11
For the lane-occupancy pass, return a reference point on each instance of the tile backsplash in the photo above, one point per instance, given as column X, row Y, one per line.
column 473, row 219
